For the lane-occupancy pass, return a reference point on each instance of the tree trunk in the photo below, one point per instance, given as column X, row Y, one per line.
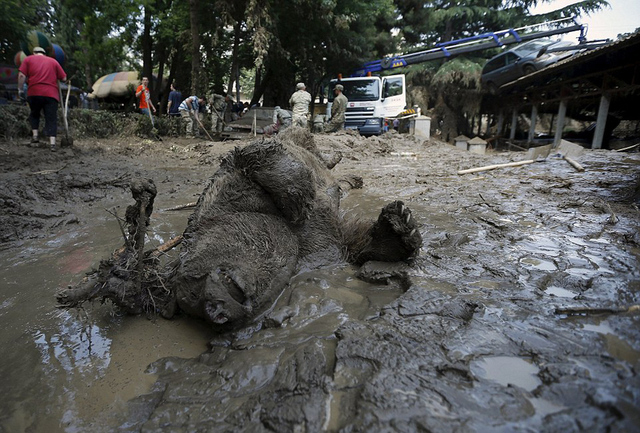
column 88, row 73
column 147, row 45
column 258, row 88
column 160, row 91
column 233, row 75
column 195, row 46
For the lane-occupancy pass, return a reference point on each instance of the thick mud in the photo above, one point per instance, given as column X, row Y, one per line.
column 521, row 314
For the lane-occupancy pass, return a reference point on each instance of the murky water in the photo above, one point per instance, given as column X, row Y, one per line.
column 61, row 369
column 68, row 370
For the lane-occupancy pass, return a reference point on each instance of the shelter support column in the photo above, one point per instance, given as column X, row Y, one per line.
column 514, row 123
column 601, row 121
column 562, row 114
column 500, row 123
column 534, row 119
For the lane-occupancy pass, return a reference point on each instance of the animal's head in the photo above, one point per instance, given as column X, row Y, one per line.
column 235, row 268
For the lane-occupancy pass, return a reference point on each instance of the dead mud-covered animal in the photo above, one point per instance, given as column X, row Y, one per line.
column 271, row 209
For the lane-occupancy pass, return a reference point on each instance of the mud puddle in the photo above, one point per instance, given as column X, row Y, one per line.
column 73, row 366
column 518, row 317
column 77, row 370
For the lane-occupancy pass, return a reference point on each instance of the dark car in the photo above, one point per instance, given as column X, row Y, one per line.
column 523, row 60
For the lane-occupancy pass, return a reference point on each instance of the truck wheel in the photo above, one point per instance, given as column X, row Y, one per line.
column 529, row 70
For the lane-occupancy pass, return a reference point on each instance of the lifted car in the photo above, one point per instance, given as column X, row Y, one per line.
column 523, row 60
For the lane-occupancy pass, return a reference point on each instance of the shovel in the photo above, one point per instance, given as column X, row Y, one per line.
column 565, row 150
column 202, row 126
column 66, row 141
column 154, row 131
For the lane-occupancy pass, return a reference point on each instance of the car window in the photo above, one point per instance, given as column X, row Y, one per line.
column 393, row 87
column 494, row 64
column 511, row 58
column 533, row 46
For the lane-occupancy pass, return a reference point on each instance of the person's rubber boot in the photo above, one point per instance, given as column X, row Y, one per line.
column 53, row 148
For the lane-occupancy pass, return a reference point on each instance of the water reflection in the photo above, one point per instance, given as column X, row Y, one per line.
column 63, row 370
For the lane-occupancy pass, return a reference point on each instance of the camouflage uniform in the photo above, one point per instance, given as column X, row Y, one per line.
column 299, row 103
column 218, row 107
column 338, row 108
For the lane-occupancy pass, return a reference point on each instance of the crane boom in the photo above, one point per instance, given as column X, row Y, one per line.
column 471, row 44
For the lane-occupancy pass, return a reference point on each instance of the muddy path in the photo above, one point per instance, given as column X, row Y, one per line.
column 521, row 315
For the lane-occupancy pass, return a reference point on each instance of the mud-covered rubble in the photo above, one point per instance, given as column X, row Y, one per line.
column 517, row 317
column 519, row 314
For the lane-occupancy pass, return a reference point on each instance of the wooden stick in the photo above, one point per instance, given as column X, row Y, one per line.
column 182, row 206
column 491, row 167
column 628, row 148
column 574, row 163
column 515, row 145
column 170, row 244
column 596, row 310
column 202, row 126
column 49, row 171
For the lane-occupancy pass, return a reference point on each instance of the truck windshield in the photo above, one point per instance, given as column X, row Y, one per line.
column 358, row 90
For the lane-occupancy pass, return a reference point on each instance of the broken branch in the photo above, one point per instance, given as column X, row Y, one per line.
column 182, row 206
column 492, row 167
column 596, row 310
column 574, row 163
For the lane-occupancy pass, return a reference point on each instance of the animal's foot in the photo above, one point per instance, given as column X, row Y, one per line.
column 394, row 237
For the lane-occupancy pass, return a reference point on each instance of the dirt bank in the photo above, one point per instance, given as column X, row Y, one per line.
column 521, row 315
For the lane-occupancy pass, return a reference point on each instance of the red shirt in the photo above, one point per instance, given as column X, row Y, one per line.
column 143, row 96
column 43, row 73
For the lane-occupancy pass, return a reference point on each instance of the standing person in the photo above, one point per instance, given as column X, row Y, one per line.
column 218, row 105
column 175, row 98
column 338, row 108
column 228, row 110
column 299, row 103
column 42, row 94
column 189, row 109
column 142, row 92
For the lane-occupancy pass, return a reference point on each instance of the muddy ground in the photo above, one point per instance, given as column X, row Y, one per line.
column 522, row 314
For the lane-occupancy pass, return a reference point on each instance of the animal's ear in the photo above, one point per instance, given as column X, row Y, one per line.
column 289, row 181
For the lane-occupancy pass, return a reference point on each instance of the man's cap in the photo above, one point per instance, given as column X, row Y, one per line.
column 300, row 86
column 277, row 107
column 39, row 50
column 339, row 87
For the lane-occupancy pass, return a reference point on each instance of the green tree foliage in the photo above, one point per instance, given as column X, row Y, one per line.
column 269, row 45
column 95, row 35
column 16, row 19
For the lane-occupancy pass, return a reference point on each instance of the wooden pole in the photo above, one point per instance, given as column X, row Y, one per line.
column 562, row 114
column 492, row 167
column 601, row 121
column 574, row 163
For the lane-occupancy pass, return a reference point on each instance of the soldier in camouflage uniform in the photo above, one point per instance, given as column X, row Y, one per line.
column 299, row 103
column 338, row 108
column 218, row 106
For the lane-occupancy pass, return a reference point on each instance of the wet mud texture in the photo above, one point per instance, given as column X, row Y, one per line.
column 519, row 314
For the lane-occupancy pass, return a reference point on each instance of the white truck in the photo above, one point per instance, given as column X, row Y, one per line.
column 372, row 99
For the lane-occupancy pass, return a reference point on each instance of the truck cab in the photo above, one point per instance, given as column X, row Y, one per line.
column 371, row 99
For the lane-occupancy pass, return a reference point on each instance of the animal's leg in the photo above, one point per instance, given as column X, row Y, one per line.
column 393, row 237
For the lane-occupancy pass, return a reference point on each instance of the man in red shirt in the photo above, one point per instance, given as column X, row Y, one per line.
column 42, row 94
column 142, row 92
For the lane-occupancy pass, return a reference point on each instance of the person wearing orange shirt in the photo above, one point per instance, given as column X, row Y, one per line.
column 142, row 93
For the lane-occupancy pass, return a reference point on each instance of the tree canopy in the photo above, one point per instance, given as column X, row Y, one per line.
column 262, row 47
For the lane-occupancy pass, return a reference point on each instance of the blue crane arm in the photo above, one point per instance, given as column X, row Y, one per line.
column 467, row 45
